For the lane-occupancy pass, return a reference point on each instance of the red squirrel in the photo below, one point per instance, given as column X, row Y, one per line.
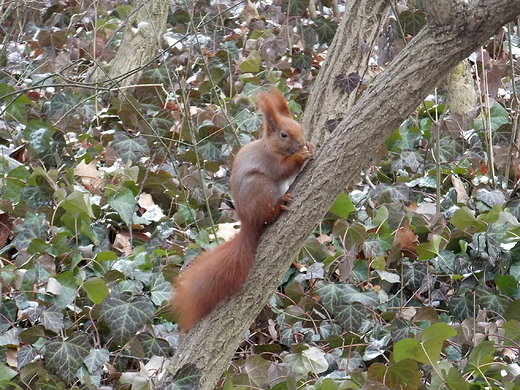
column 261, row 174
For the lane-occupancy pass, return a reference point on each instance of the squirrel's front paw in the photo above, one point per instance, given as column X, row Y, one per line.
column 310, row 146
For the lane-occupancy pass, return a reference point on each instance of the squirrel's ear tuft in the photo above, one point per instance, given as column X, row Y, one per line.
column 272, row 104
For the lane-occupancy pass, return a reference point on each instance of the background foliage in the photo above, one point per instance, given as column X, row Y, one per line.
column 411, row 280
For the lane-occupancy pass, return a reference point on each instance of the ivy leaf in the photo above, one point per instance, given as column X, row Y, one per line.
column 125, row 314
column 343, row 206
column 295, row 7
column 309, row 360
column 33, row 226
column 78, row 202
column 257, row 369
column 67, row 290
column 464, row 218
column 153, row 346
column 6, row 374
column 65, row 357
column 412, row 21
column 491, row 301
column 429, row 250
column 428, row 350
column 187, row 377
column 52, row 318
column 26, row 354
column 498, row 117
column 331, row 295
column 8, row 312
column 414, row 275
column 491, row 197
column 39, row 136
column 96, row 289
column 124, row 204
column 348, row 83
column 160, row 289
column 351, row 316
column 251, row 63
column 400, row 375
column 36, row 197
column 368, row 298
column 462, row 307
column 301, row 61
column 513, row 311
column 326, row 29
column 130, row 148
column 481, row 356
column 96, row 360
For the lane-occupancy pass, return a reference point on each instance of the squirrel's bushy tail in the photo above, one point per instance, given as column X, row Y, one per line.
column 212, row 277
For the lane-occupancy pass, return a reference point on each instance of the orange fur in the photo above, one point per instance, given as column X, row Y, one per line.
column 262, row 172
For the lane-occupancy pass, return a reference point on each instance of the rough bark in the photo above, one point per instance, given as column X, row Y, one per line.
column 394, row 94
column 349, row 53
column 142, row 35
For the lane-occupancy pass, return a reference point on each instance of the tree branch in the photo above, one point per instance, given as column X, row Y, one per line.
column 394, row 94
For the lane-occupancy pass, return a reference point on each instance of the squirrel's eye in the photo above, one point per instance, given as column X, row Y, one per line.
column 283, row 134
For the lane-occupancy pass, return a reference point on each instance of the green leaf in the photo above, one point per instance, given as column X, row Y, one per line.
column 78, row 202
column 6, row 374
column 429, row 250
column 326, row 29
column 464, row 218
column 130, row 148
column 512, row 329
column 331, row 295
column 39, row 137
column 498, row 116
column 513, row 311
column 412, row 21
column 18, row 110
column 52, row 318
column 125, row 314
column 153, row 346
column 491, row 301
column 96, row 360
column 96, row 289
column 124, row 203
column 449, row 376
column 67, row 290
column 343, row 206
column 404, row 374
column 481, row 355
column 311, row 360
column 187, row 377
column 160, row 289
column 33, row 226
column 368, row 298
column 295, row 7
column 257, row 369
column 8, row 312
column 351, row 316
column 65, row 357
column 251, row 63
column 429, row 349
column 410, row 349
column 414, row 275
column 462, row 307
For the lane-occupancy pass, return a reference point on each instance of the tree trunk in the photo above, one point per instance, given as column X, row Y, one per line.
column 454, row 30
column 348, row 55
column 142, row 35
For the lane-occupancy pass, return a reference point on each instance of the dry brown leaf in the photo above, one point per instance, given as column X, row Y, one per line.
column 462, row 195
column 89, row 175
column 405, row 238
column 122, row 244
column 5, row 229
